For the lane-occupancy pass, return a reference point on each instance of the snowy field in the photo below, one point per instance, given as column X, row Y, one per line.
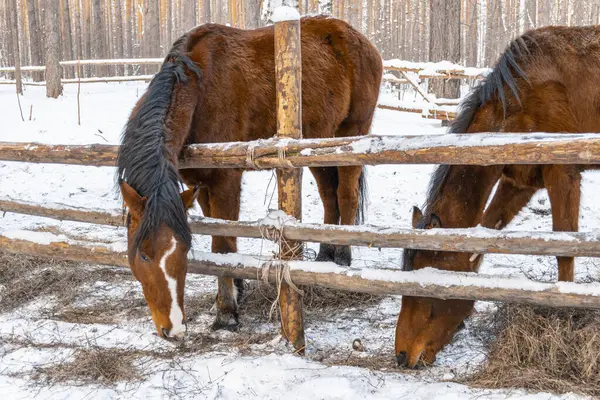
column 254, row 362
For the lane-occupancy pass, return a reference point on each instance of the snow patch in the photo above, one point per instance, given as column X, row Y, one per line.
column 276, row 219
column 285, row 13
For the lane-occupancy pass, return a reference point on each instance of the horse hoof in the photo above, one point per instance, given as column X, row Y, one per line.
column 343, row 255
column 228, row 322
column 326, row 252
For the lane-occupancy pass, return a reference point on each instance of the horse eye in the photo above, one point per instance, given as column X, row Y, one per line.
column 144, row 257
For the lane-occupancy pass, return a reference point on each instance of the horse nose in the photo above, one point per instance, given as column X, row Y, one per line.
column 165, row 332
column 402, row 359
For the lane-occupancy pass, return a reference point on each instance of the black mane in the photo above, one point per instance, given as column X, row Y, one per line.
column 507, row 71
column 144, row 159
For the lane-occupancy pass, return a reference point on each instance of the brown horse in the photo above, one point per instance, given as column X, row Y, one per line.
column 546, row 81
column 218, row 85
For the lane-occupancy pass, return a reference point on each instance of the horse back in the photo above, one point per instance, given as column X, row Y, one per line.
column 341, row 73
column 558, row 84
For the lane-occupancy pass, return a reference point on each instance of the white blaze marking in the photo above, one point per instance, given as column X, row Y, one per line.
column 175, row 315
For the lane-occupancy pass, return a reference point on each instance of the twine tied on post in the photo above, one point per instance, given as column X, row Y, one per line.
column 271, row 228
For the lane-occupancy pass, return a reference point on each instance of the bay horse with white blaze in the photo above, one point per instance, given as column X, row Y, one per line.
column 548, row 80
column 217, row 84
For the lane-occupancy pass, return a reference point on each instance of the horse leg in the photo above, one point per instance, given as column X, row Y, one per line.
column 203, row 200
column 348, row 195
column 508, row 200
column 224, row 202
column 564, row 190
column 349, row 189
column 327, row 182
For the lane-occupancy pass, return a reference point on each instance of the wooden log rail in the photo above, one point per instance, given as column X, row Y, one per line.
column 461, row 149
column 474, row 240
column 430, row 114
column 441, row 74
column 424, row 283
column 126, row 61
column 144, row 78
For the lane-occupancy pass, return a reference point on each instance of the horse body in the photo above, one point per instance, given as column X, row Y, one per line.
column 548, row 80
column 225, row 91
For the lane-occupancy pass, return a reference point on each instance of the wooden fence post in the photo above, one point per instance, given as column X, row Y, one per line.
column 288, row 73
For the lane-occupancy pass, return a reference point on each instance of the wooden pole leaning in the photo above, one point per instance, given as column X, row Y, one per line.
column 288, row 73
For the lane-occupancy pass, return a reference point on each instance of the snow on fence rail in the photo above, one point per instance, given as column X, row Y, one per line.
column 474, row 240
column 438, row 70
column 461, row 149
column 427, row 282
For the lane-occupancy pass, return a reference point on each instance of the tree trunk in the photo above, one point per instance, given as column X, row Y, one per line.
column 206, row 8
column 444, row 43
column 530, row 19
column 67, row 38
column 3, row 35
column 129, row 30
column 188, row 15
column 252, row 13
column 98, row 43
column 109, row 38
column 151, row 32
column 35, row 40
column 52, row 40
column 78, row 38
column 472, row 34
column 119, row 35
column 13, row 21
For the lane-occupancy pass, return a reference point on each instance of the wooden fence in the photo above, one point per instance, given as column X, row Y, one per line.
column 287, row 150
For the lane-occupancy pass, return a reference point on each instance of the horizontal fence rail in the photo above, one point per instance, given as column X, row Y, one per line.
column 423, row 74
column 441, row 74
column 474, row 240
column 425, row 283
column 462, row 149
column 123, row 61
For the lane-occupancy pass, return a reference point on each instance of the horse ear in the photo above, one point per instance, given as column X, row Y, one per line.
column 134, row 201
column 189, row 196
column 436, row 222
column 417, row 215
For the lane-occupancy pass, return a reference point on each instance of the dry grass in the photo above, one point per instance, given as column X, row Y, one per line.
column 380, row 361
column 110, row 311
column 259, row 297
column 542, row 349
column 24, row 279
column 93, row 366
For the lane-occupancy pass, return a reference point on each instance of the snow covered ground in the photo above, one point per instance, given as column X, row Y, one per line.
column 251, row 363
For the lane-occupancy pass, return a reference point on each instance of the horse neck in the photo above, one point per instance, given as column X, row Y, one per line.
column 180, row 117
column 460, row 199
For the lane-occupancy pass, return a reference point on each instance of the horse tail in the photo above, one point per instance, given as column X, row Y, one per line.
column 363, row 197
column 152, row 140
